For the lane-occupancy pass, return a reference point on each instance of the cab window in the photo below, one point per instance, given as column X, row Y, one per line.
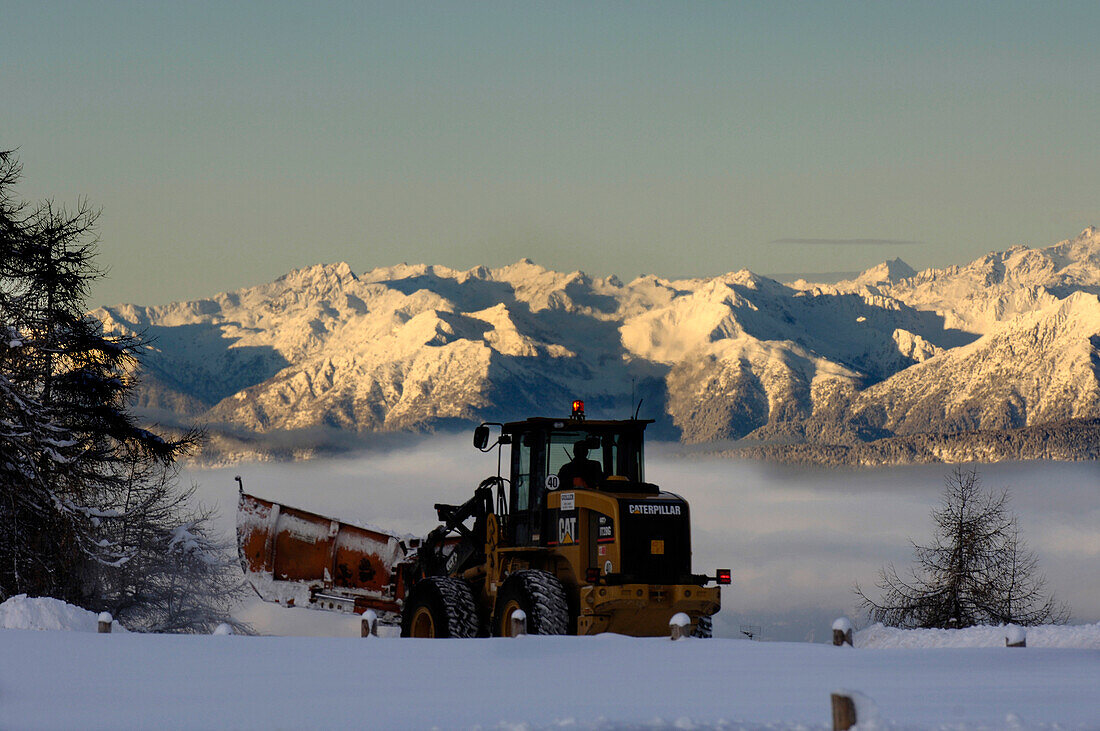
column 618, row 454
column 561, row 449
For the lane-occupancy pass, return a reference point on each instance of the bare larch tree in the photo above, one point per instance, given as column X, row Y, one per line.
column 975, row 571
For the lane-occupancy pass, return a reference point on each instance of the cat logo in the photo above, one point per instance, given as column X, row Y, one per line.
column 567, row 531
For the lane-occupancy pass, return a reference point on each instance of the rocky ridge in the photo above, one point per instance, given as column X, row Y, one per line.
column 1008, row 341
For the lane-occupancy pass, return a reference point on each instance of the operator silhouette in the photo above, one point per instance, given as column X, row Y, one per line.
column 581, row 471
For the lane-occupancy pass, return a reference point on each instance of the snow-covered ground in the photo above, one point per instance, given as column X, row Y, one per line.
column 796, row 540
column 1081, row 636
column 67, row 680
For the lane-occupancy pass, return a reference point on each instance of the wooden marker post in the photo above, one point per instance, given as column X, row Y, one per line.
column 844, row 712
column 519, row 623
column 369, row 626
column 842, row 632
column 105, row 621
column 679, row 626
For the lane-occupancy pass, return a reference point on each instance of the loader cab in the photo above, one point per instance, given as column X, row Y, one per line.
column 542, row 450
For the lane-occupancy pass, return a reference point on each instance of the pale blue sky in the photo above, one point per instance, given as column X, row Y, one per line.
column 230, row 142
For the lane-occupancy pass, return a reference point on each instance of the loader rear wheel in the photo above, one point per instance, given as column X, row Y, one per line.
column 439, row 606
column 541, row 597
column 704, row 628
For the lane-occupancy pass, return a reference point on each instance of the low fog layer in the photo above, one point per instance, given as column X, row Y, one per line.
column 796, row 539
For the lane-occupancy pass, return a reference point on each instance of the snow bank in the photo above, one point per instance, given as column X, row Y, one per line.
column 47, row 613
column 877, row 636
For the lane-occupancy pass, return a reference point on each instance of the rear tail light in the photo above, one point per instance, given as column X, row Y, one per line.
column 723, row 576
column 592, row 575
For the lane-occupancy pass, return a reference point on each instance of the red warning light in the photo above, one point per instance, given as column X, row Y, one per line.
column 578, row 409
column 724, row 576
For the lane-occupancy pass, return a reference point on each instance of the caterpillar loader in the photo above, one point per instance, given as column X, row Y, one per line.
column 574, row 537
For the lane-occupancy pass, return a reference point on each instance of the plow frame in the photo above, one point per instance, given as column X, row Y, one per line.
column 284, row 550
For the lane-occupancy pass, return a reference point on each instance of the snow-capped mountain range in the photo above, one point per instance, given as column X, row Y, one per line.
column 1009, row 340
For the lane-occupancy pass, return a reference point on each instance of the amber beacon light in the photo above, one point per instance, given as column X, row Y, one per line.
column 578, row 409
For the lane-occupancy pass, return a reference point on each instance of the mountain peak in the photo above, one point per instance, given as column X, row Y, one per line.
column 888, row 272
column 481, row 272
column 339, row 272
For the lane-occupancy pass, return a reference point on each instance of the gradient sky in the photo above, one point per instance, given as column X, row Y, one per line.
column 230, row 142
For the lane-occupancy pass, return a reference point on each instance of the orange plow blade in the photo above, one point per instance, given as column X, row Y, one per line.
column 299, row 558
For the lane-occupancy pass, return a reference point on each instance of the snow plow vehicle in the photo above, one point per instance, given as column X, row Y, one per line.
column 574, row 537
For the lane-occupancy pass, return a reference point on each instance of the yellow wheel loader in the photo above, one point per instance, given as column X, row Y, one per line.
column 574, row 537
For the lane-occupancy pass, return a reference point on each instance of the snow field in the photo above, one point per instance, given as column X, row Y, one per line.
column 65, row 680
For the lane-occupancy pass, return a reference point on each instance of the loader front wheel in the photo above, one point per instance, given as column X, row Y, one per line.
column 541, row 597
column 440, row 606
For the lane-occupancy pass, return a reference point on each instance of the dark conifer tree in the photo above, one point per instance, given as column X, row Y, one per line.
column 89, row 505
column 42, row 532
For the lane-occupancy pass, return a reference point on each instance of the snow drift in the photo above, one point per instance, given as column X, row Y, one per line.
column 878, row 636
column 46, row 613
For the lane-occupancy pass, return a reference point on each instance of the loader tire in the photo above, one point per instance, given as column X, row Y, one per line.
column 541, row 597
column 439, row 606
column 704, row 628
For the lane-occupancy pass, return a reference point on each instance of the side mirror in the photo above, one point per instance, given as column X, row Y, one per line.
column 481, row 436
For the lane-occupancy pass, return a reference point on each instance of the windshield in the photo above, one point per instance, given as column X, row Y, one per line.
column 615, row 455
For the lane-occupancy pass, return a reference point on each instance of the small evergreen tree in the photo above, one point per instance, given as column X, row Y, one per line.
column 179, row 576
column 975, row 571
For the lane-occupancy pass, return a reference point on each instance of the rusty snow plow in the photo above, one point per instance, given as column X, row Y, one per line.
column 298, row 558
